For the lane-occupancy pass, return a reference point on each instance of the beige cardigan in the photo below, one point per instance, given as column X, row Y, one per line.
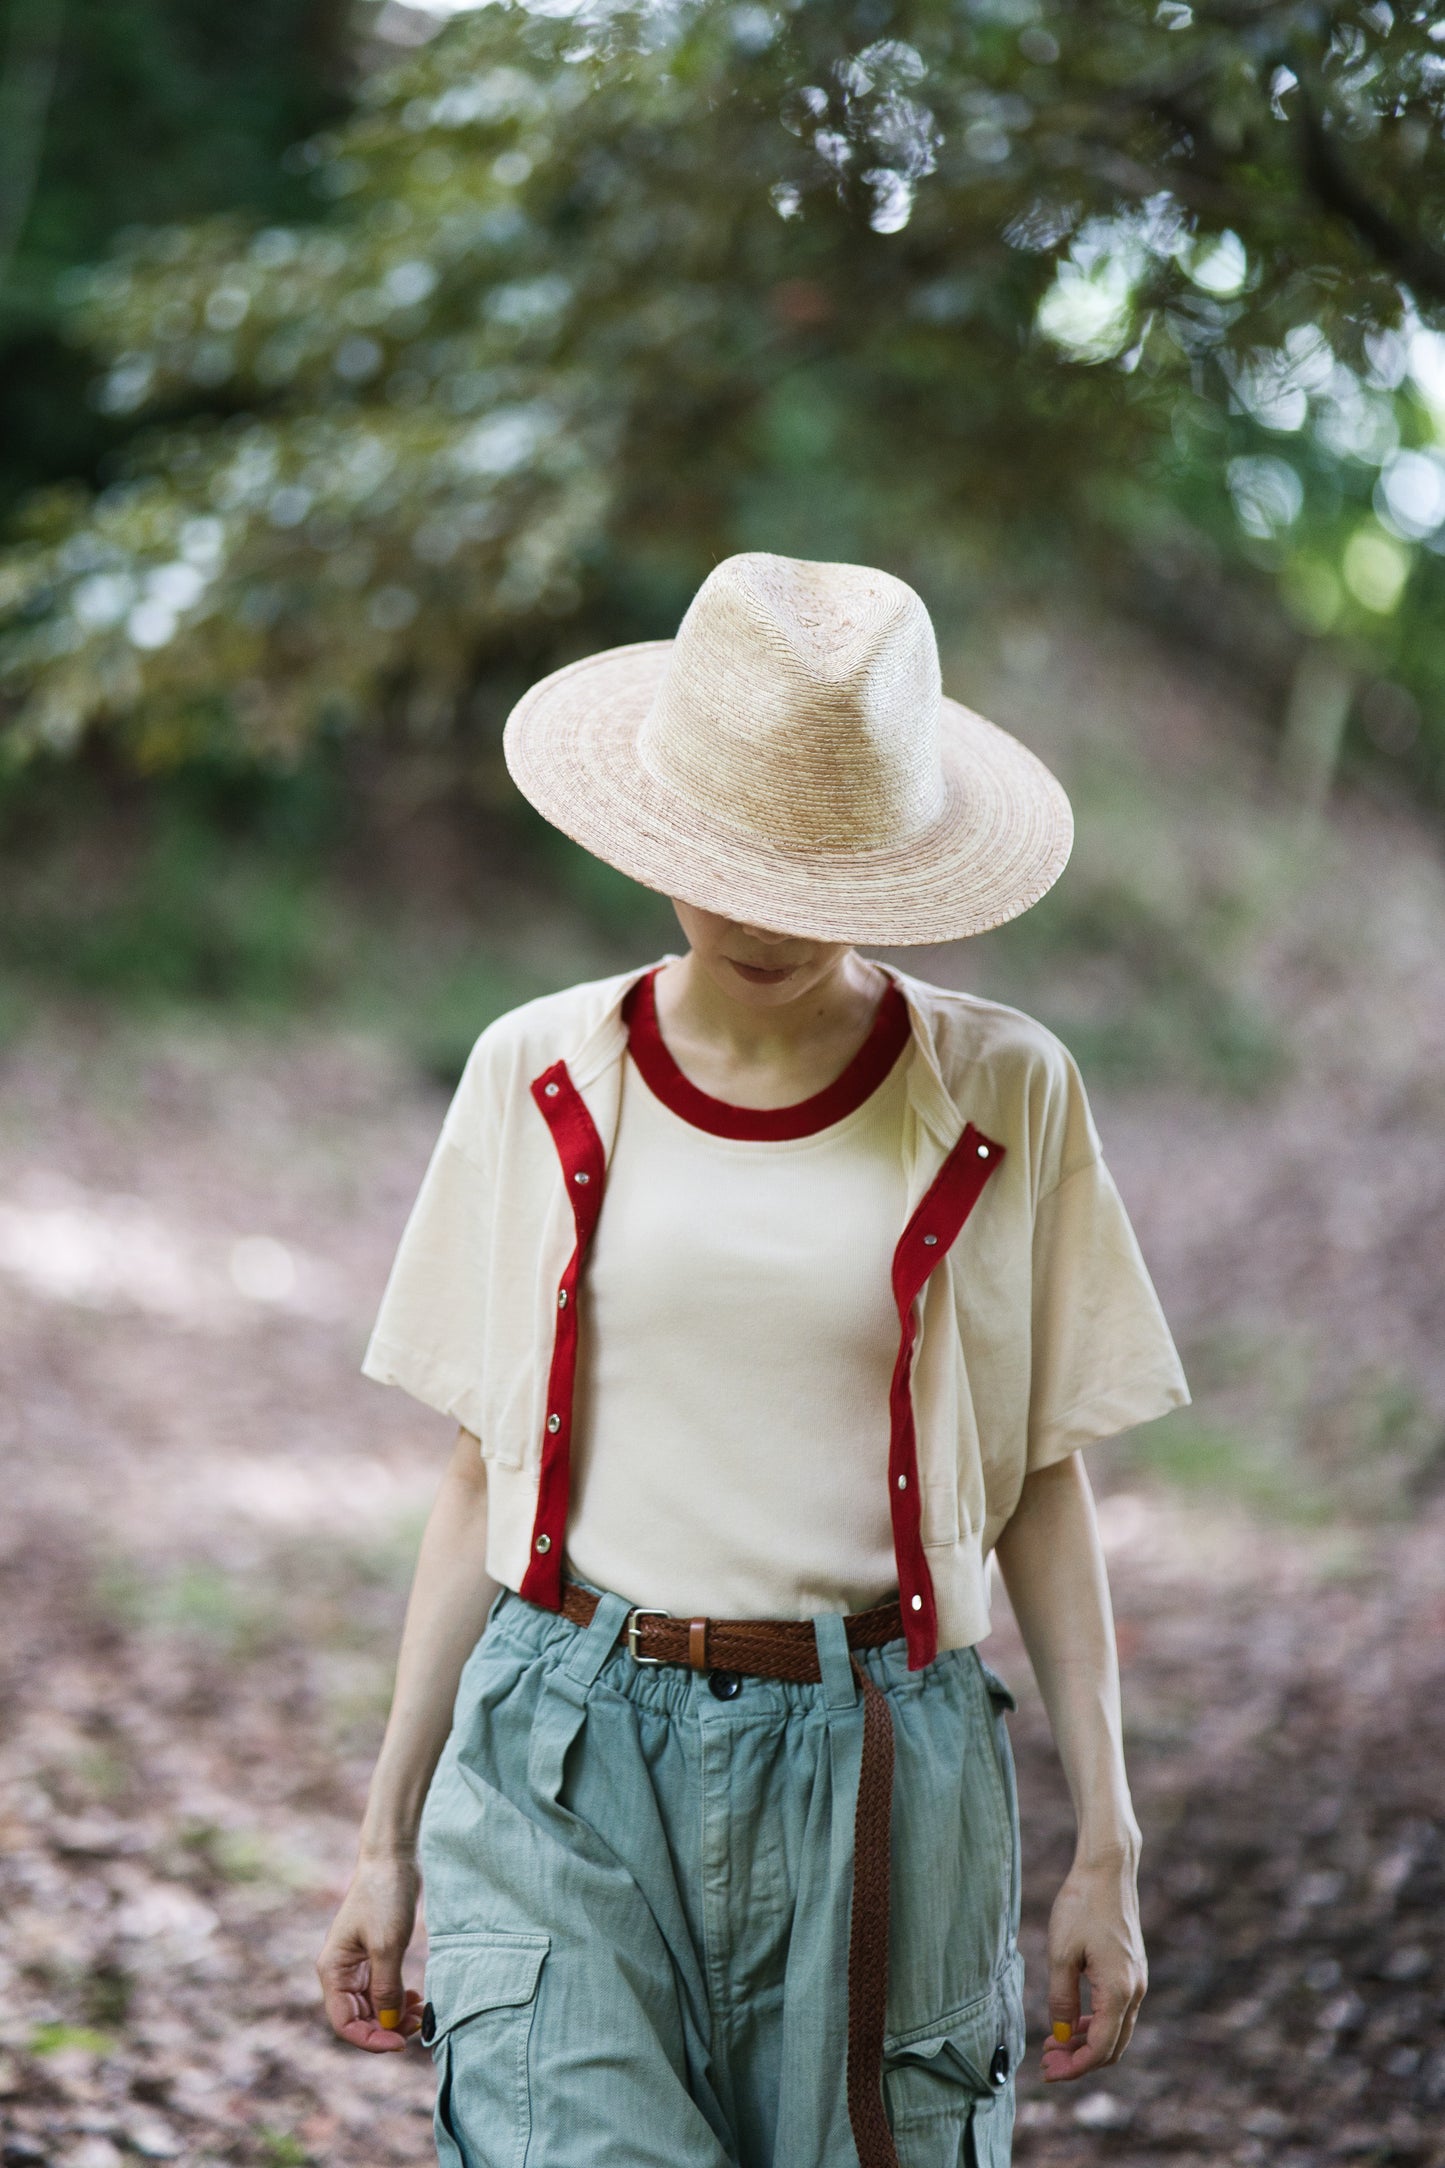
column 1028, row 1322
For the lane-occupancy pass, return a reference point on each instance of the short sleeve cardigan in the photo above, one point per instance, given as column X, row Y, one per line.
column 1027, row 1323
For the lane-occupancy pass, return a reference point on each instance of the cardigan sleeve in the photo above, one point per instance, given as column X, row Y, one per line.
column 428, row 1334
column 1102, row 1356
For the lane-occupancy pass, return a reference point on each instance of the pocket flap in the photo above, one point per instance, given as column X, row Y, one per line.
column 981, row 2044
column 998, row 1687
column 469, row 1973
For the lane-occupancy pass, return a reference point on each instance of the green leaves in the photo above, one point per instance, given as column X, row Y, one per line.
column 585, row 292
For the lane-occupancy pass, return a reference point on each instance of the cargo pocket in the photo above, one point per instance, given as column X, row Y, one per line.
column 949, row 2086
column 481, row 1990
column 1000, row 1693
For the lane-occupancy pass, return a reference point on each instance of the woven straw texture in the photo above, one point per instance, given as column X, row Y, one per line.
column 789, row 760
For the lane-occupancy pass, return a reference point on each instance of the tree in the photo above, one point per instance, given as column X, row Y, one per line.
column 120, row 112
column 599, row 297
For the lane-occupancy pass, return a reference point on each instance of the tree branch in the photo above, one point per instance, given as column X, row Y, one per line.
column 32, row 57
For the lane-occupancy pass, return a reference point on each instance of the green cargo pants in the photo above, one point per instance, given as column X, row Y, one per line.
column 637, row 1884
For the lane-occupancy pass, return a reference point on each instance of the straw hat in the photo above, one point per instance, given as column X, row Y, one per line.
column 790, row 760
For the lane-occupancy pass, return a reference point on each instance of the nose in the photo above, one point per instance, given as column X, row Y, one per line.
column 764, row 934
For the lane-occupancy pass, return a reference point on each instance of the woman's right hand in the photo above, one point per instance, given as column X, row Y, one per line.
column 360, row 1963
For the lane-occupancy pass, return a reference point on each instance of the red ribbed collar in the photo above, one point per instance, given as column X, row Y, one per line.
column 887, row 1037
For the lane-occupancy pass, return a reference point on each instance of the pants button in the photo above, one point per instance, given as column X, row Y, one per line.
column 998, row 2069
column 428, row 2025
column 725, row 1684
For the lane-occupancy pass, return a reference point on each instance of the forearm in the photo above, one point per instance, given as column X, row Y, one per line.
column 1053, row 1568
column 451, row 1594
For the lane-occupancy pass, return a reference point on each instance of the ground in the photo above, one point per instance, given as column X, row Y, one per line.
column 209, row 1519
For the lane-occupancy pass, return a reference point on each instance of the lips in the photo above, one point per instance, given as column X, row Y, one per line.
column 763, row 974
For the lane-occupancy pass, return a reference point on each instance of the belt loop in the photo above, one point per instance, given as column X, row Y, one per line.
column 835, row 1661
column 594, row 1644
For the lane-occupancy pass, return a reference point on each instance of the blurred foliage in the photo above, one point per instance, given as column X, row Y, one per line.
column 205, row 889
column 126, row 112
column 605, row 292
column 1145, row 959
column 57, row 2039
column 220, row 887
column 226, row 888
column 282, row 2148
column 1271, row 1430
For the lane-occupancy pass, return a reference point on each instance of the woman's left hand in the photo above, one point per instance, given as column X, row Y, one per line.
column 1094, row 1935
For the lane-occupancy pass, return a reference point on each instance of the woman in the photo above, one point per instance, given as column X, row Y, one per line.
column 772, row 1290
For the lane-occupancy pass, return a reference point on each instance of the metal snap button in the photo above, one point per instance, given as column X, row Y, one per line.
column 544, row 1544
column 915, row 1603
column 983, row 1151
column 903, row 1482
column 581, row 1180
column 428, row 2025
column 561, row 1298
column 930, row 1242
column 725, row 1684
column 998, row 2069
column 551, row 1090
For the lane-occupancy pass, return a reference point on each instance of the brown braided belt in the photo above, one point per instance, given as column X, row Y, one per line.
column 786, row 1649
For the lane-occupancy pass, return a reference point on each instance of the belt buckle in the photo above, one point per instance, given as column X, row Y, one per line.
column 641, row 1611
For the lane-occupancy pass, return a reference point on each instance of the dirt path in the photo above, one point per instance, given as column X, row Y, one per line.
column 1287, row 1734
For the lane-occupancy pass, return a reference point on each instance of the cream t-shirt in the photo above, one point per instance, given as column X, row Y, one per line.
column 738, row 1335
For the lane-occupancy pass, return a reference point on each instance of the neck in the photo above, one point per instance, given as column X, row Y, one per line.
column 694, row 1005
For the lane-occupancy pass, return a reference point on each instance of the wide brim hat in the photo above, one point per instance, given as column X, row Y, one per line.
column 790, row 760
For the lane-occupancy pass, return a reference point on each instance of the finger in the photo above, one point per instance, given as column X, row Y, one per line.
column 1131, row 2018
column 365, row 2032
column 1112, row 1987
column 353, row 2020
column 1118, row 2003
column 1057, row 2061
column 342, row 1974
column 1068, row 2032
column 1102, row 2027
column 346, row 1996
column 1062, row 2065
column 1090, row 2046
column 387, row 1998
column 1063, row 1996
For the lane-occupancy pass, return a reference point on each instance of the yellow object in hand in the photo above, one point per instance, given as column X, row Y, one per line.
column 390, row 2019
column 1063, row 2031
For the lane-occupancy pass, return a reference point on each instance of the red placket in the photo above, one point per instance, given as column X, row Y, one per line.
column 951, row 1196
column 926, row 1239
column 584, row 1170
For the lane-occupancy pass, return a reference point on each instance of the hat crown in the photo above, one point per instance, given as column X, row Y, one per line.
column 800, row 702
